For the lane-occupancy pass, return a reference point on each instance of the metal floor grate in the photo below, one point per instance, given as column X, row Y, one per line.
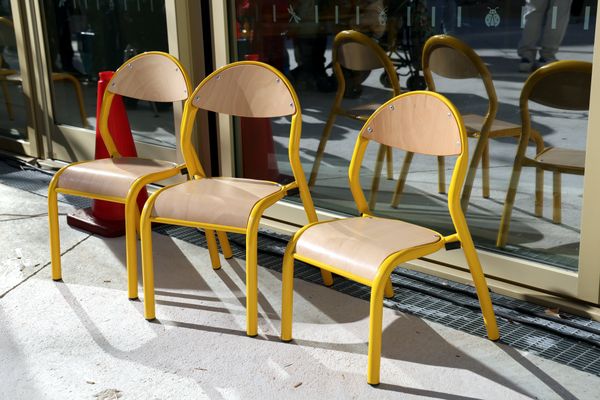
column 566, row 339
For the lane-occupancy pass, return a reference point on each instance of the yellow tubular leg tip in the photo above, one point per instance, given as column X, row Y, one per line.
column 136, row 298
column 216, row 268
column 373, row 384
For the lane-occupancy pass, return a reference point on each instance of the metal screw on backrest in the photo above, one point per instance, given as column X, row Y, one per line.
column 129, row 66
column 291, row 104
column 176, row 69
column 277, row 80
column 196, row 98
column 218, row 77
column 369, row 129
column 392, row 107
column 449, row 115
column 113, row 84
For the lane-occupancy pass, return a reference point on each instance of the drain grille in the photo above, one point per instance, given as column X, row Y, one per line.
column 568, row 339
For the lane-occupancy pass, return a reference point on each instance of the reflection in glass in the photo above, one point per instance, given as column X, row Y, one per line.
column 13, row 110
column 511, row 38
column 87, row 37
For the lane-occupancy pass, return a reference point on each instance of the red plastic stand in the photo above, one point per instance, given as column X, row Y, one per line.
column 105, row 218
column 258, row 149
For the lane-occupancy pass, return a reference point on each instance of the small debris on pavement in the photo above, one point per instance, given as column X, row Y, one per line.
column 109, row 394
column 297, row 385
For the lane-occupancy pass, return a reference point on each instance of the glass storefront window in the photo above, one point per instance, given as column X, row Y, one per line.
column 512, row 39
column 13, row 109
column 86, row 37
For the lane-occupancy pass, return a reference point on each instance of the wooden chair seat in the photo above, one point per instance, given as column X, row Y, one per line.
column 108, row 176
column 218, row 201
column 554, row 157
column 499, row 128
column 360, row 245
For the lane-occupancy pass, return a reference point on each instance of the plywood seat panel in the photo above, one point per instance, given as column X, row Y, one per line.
column 219, row 201
column 360, row 245
column 109, row 177
column 566, row 158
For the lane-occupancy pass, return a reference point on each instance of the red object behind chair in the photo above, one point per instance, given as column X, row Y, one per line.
column 106, row 218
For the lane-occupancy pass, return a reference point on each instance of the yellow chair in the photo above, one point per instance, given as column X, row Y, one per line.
column 242, row 89
column 451, row 58
column 152, row 76
column 7, row 38
column 366, row 249
column 356, row 52
column 563, row 85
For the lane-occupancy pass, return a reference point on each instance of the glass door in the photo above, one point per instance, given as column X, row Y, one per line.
column 17, row 122
column 542, row 248
column 84, row 38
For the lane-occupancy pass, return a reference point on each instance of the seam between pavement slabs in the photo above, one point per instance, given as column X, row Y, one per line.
column 42, row 267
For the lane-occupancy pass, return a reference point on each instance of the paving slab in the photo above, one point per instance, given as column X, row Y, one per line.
column 82, row 338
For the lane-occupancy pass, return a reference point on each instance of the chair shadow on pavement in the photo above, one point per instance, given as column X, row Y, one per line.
column 406, row 338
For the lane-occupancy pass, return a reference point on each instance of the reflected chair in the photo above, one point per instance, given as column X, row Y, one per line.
column 7, row 38
column 242, row 89
column 355, row 52
column 367, row 249
column 451, row 58
column 563, row 85
column 151, row 76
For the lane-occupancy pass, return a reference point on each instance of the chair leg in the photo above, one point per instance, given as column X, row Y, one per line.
column 483, row 294
column 485, row 171
column 131, row 219
column 225, row 246
column 389, row 289
column 470, row 179
column 147, row 267
column 402, row 179
column 539, row 192
column 441, row 175
column 213, row 250
column 377, row 176
column 539, row 175
column 390, row 163
column 78, row 95
column 251, row 281
column 509, row 203
column 375, row 324
column 556, row 198
column 321, row 149
column 54, row 232
column 287, row 293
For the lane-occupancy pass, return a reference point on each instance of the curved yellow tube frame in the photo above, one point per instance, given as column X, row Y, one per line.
column 251, row 230
column 381, row 281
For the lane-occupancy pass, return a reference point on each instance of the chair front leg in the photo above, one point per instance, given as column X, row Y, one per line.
column 375, row 324
column 287, row 294
column 147, row 261
column 131, row 222
column 252, row 280
column 54, row 231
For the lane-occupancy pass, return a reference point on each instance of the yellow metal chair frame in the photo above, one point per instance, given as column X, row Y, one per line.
column 143, row 88
column 450, row 57
column 236, row 99
column 380, row 284
column 11, row 75
column 357, row 52
column 563, row 85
